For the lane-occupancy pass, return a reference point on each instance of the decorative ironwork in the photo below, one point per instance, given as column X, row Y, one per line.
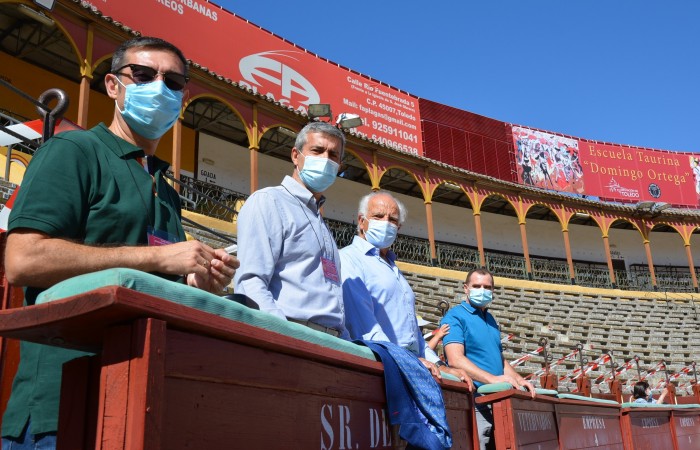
column 592, row 277
column 412, row 250
column 503, row 265
column 457, row 257
column 552, row 271
column 342, row 232
column 211, row 200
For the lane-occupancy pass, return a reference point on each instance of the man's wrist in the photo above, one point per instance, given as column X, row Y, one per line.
column 439, row 364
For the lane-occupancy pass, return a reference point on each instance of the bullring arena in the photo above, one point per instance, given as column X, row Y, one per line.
column 594, row 245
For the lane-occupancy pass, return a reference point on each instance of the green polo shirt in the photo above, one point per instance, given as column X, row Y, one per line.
column 86, row 186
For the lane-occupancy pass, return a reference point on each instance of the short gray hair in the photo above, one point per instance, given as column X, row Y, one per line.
column 323, row 128
column 364, row 201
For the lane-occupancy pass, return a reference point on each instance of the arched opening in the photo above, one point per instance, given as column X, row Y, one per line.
column 455, row 234
column 587, row 250
column 547, row 253
column 501, row 235
column 627, row 251
column 670, row 261
column 409, row 247
column 215, row 158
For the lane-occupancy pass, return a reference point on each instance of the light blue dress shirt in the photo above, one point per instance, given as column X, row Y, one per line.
column 379, row 302
column 281, row 240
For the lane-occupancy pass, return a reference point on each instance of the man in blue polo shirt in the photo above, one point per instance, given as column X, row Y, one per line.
column 474, row 345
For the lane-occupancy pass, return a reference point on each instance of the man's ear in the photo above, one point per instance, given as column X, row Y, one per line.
column 295, row 157
column 112, row 86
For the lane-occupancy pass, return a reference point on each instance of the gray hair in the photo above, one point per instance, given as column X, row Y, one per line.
column 323, row 128
column 364, row 201
column 145, row 43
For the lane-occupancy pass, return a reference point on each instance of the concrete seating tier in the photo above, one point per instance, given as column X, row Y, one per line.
column 650, row 325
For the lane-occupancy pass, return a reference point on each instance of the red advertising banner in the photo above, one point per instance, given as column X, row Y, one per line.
column 610, row 171
column 272, row 66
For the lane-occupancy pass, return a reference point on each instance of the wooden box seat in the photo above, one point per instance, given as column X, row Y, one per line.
column 177, row 368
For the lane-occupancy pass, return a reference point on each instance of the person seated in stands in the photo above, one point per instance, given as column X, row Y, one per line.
column 96, row 199
column 379, row 302
column 641, row 393
column 474, row 345
column 289, row 260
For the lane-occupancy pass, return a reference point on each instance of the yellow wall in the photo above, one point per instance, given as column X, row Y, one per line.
column 18, row 163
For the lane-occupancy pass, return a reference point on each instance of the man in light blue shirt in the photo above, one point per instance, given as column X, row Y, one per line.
column 379, row 302
column 289, row 261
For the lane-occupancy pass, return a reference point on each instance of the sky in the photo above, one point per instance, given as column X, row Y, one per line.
column 618, row 71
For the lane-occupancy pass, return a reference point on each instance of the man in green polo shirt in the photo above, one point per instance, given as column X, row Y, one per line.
column 94, row 200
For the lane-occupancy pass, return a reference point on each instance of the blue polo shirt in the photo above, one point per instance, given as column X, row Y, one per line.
column 478, row 331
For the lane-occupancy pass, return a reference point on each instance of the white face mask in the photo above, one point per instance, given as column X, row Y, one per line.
column 381, row 233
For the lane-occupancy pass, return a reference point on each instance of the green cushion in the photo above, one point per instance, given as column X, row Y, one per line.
column 196, row 298
column 494, row 387
column 640, row 405
column 588, row 399
column 686, row 406
column 540, row 391
column 503, row 386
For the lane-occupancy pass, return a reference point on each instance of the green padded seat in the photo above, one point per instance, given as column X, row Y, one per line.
column 198, row 299
column 503, row 386
column 589, row 399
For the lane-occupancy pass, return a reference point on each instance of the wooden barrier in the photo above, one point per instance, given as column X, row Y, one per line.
column 167, row 376
column 584, row 424
column 647, row 428
column 686, row 429
column 520, row 422
column 553, row 423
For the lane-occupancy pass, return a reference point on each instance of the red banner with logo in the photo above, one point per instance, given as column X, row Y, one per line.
column 609, row 171
column 271, row 66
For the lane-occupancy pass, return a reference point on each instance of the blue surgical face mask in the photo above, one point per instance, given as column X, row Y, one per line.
column 150, row 109
column 381, row 233
column 480, row 297
column 318, row 173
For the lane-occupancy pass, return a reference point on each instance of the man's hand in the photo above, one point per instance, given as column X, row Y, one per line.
column 461, row 374
column 432, row 368
column 218, row 271
column 516, row 382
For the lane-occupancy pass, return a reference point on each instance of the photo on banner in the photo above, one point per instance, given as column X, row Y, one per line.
column 548, row 161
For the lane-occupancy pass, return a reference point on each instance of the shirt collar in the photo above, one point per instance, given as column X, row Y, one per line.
column 368, row 249
column 119, row 146
column 304, row 195
column 471, row 309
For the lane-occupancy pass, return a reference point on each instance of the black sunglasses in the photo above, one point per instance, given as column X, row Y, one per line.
column 144, row 74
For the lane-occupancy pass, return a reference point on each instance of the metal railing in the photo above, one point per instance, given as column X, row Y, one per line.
column 412, row 250
column 457, row 257
column 504, row 265
column 551, row 271
column 210, row 200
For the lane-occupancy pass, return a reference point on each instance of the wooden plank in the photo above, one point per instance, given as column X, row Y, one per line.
column 113, row 392
column 589, row 426
column 203, row 414
column 78, row 413
column 534, row 424
column 145, row 388
column 328, row 396
column 686, row 428
column 648, row 429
